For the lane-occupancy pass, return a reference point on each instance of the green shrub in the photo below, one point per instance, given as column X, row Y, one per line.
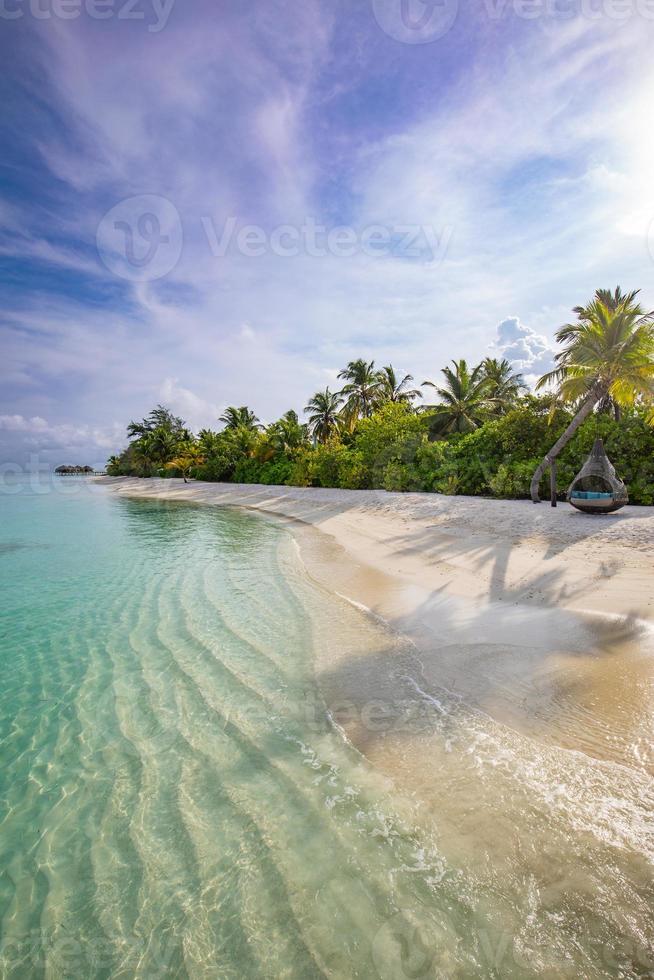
column 218, row 468
column 401, row 478
column 429, row 461
column 275, row 472
column 300, row 471
column 390, row 451
column 513, row 479
column 325, row 462
column 352, row 471
column 390, row 437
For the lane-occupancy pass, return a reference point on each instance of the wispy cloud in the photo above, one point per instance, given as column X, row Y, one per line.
column 528, row 142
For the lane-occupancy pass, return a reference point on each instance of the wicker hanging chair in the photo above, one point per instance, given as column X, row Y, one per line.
column 597, row 489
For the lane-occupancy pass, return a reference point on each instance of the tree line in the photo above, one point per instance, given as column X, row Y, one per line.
column 478, row 429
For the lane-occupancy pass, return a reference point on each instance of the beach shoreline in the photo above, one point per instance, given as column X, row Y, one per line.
column 540, row 618
column 474, row 547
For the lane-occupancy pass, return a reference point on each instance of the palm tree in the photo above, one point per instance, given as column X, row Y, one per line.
column 189, row 456
column 244, row 439
column 163, row 443
column 240, row 417
column 504, row 387
column 612, row 300
column 361, row 390
column 607, row 353
column 323, row 411
column 209, row 441
column 392, row 390
column 464, row 400
column 287, row 434
column 144, row 455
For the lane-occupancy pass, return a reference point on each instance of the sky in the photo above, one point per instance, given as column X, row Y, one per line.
column 214, row 203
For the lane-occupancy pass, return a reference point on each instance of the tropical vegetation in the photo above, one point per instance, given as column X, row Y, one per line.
column 482, row 431
column 607, row 360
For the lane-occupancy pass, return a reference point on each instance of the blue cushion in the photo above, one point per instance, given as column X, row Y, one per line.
column 591, row 495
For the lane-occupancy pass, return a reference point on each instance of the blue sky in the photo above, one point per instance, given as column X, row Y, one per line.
column 479, row 170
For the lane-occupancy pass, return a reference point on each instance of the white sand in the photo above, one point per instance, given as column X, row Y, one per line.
column 487, row 549
column 516, row 606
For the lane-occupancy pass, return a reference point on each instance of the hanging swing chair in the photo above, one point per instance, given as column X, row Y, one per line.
column 597, row 489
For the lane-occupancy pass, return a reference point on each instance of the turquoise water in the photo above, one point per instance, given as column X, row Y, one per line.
column 176, row 802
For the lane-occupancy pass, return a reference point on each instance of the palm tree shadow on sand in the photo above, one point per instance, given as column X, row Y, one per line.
column 513, row 652
column 520, row 730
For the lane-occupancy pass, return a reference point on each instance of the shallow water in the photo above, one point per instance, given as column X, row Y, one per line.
column 176, row 799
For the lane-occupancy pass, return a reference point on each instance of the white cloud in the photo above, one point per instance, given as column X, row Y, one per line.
column 53, row 441
column 529, row 352
column 199, row 413
column 17, row 423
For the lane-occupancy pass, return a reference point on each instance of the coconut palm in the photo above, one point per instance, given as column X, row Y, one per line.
column 163, row 443
column 189, row 456
column 287, row 434
column 362, row 389
column 244, row 440
column 391, row 389
column 209, row 441
column 323, row 411
column 504, row 386
column 464, row 401
column 607, row 352
column 144, row 455
column 612, row 300
column 240, row 417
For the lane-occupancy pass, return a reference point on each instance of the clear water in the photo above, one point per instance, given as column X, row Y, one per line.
column 175, row 800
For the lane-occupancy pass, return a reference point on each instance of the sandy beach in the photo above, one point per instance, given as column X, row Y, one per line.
column 503, row 692
column 540, row 617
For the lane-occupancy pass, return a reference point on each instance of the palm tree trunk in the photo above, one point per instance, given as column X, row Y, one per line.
column 553, row 484
column 561, row 443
